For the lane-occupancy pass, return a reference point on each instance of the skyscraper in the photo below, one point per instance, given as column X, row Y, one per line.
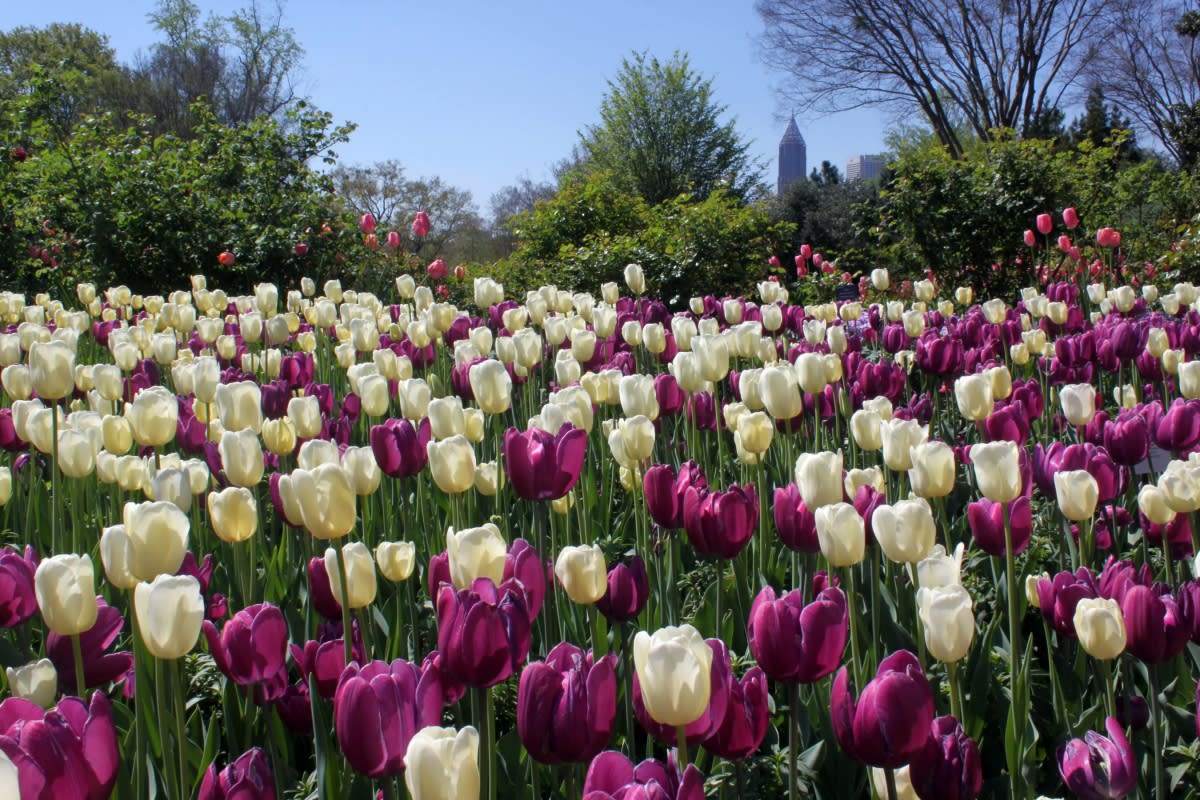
column 864, row 168
column 793, row 157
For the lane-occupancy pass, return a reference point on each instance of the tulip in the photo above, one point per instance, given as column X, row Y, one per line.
column 249, row 777
column 889, row 723
column 5, row 486
column 360, row 584
column 442, row 764
column 476, row 553
column 819, row 478
column 325, row 499
column 612, row 776
column 794, row 523
column 905, row 531
column 1098, row 767
column 797, row 643
column 18, row 601
column 240, row 406
column 153, row 417
column 566, row 705
column 492, row 386
column 156, row 538
column 997, row 470
column 627, row 591
column 233, row 514
column 974, row 396
column 948, row 766
column 76, row 456
column 946, row 613
column 170, row 611
column 483, row 632
column 379, row 708
column 66, row 594
column 452, row 463
column 1155, row 629
column 582, row 573
column 396, row 560
column 933, row 472
column 52, row 369
column 1100, row 627
column 544, row 466
column 841, row 534
column 1078, row 403
column 68, row 751
column 362, row 469
column 242, row 457
column 1077, row 493
column 252, row 648
column 899, row 438
column 305, row 414
column 720, row 524
column 36, row 682
column 631, row 441
column 864, row 427
column 674, row 672
column 400, row 447
column 316, row 452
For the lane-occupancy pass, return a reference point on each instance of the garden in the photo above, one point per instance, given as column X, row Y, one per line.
column 317, row 542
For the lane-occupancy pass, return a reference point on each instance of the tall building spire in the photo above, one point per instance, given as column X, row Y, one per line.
column 793, row 157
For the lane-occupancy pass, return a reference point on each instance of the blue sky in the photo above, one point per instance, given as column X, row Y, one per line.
column 481, row 93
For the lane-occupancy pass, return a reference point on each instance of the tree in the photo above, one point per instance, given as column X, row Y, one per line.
column 993, row 64
column 661, row 135
column 511, row 200
column 1152, row 71
column 243, row 66
column 827, row 175
column 377, row 189
column 1100, row 122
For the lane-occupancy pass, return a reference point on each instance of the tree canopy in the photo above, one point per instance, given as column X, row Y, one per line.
column 661, row 135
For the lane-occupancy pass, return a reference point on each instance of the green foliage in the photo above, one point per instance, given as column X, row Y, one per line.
column 115, row 203
column 964, row 218
column 826, row 216
column 591, row 229
column 661, row 135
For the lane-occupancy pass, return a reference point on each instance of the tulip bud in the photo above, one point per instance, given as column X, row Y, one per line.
column 674, row 669
column 52, row 369
column 396, row 560
column 905, row 531
column 325, row 498
column 36, row 682
column 949, row 621
column 997, row 470
column 582, row 573
column 1153, row 503
column 452, row 464
column 864, row 427
column 240, row 406
column 443, row 765
column 66, row 593
column 1077, row 493
column 819, row 478
column 1100, row 627
column 5, row 485
column 361, row 585
column 305, row 414
column 635, row 278
column 841, row 534
column 974, row 396
column 279, row 435
column 233, row 514
column 880, row 279
column 170, row 612
column 899, row 438
column 1078, row 403
column 476, row 553
column 242, row 457
column 157, row 535
column 933, row 471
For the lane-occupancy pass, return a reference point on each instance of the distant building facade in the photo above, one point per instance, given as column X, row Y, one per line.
column 793, row 157
column 864, row 168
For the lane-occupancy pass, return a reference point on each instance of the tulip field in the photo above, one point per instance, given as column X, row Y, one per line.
column 309, row 542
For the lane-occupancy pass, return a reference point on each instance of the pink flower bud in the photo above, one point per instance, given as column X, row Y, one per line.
column 367, row 223
column 393, row 240
column 420, row 225
column 1030, row 238
column 806, row 251
column 1070, row 218
column 437, row 269
column 1044, row 224
column 1064, row 243
column 773, row 261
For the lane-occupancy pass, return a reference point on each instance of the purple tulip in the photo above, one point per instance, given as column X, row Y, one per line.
column 795, row 524
column 1177, row 532
column 1110, row 478
column 1179, row 428
column 1007, row 423
column 399, row 448
column 938, row 355
column 701, row 409
column 247, row 778
column 1118, row 577
column 741, row 732
column 18, row 602
column 8, row 433
column 99, row 666
column 1133, row 712
column 612, row 776
column 483, row 632
column 1058, row 597
column 721, row 681
column 986, row 521
column 325, row 661
column 664, row 490
column 542, row 465
column 69, row 751
column 865, row 501
column 1155, row 628
column 948, row 767
column 524, row 570
column 797, row 643
column 252, row 649
column 320, row 591
column 720, row 524
column 295, row 709
column 670, row 396
column 566, row 705
column 378, row 708
column 628, row 590
column 1097, row 767
column 889, row 723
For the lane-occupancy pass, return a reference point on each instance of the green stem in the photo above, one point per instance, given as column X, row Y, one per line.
column 1156, row 721
column 681, row 743
column 599, row 634
column 1014, row 644
column 794, row 743
column 1110, row 703
column 77, row 650
column 54, row 498
column 160, row 701
column 487, row 750
column 956, row 706
column 889, row 777
column 853, row 606
column 180, row 729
